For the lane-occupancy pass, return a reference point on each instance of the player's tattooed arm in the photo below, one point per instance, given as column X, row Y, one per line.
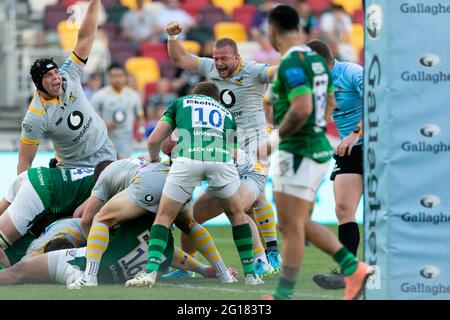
column 295, row 118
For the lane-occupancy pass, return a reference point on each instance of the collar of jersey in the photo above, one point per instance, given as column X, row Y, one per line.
column 295, row 48
column 44, row 101
column 238, row 68
column 117, row 92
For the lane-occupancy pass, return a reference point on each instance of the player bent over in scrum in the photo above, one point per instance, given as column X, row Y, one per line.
column 41, row 196
column 128, row 189
column 125, row 256
column 200, row 119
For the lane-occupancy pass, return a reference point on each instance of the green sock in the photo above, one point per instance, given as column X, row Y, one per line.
column 242, row 236
column 159, row 235
column 346, row 260
column 285, row 289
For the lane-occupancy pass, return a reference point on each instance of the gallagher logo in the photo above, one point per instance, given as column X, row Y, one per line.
column 374, row 21
column 429, row 272
column 430, row 201
column 429, row 60
column 430, row 130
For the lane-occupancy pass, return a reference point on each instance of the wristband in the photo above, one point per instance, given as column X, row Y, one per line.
column 172, row 37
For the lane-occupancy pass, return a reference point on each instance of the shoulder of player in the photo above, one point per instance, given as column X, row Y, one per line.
column 37, row 106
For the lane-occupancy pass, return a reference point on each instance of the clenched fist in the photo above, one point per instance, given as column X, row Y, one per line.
column 174, row 28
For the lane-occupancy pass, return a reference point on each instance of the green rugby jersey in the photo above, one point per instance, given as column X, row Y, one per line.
column 127, row 251
column 206, row 130
column 61, row 190
column 302, row 71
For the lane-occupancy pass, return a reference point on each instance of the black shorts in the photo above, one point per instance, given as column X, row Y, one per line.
column 352, row 163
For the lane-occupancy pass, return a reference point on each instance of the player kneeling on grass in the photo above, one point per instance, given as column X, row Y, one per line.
column 59, row 261
column 128, row 189
column 204, row 151
column 40, row 196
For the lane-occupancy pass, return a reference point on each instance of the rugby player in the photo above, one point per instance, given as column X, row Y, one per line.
column 119, row 106
column 205, row 151
column 241, row 84
column 61, row 110
column 302, row 93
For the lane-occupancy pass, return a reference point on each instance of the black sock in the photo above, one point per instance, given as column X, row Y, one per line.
column 349, row 236
column 272, row 246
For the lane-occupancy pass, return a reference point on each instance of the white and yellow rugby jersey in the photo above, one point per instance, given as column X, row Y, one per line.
column 117, row 177
column 242, row 93
column 76, row 130
column 246, row 165
column 120, row 108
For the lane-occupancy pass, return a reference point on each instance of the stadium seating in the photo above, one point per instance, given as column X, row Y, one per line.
column 157, row 51
column 131, row 3
column 192, row 46
column 68, row 33
column 111, row 30
column 145, row 70
column 121, row 50
column 149, row 89
column 168, row 69
column 208, row 16
column 229, row 5
column 115, row 13
column 318, row 6
column 53, row 15
column 233, row 30
column 358, row 16
column 349, row 5
column 245, row 15
column 193, row 6
column 357, row 37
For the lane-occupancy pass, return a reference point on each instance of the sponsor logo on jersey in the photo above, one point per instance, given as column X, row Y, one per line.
column 227, row 98
column 374, row 21
column 26, row 127
column 75, row 120
column 148, row 198
column 72, row 97
column 239, row 81
column 119, row 116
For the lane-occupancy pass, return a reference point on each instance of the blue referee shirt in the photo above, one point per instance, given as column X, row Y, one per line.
column 348, row 88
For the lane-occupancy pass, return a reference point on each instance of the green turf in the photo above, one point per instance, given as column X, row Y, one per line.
column 198, row 288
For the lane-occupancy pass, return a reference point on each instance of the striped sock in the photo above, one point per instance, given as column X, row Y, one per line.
column 159, row 235
column 242, row 236
column 204, row 243
column 97, row 242
column 285, row 289
column 264, row 216
column 259, row 254
column 346, row 260
column 182, row 260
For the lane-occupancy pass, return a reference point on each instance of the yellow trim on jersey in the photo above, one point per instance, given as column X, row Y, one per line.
column 36, row 111
column 258, row 168
column 238, row 68
column 75, row 58
column 269, row 70
column 28, row 141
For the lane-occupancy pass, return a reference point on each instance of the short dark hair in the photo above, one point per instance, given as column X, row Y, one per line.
column 58, row 244
column 321, row 48
column 222, row 42
column 284, row 18
column 100, row 167
column 208, row 89
column 116, row 65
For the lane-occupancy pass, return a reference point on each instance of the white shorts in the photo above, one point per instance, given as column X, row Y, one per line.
column 184, row 177
column 302, row 183
column 58, row 267
column 14, row 188
column 25, row 207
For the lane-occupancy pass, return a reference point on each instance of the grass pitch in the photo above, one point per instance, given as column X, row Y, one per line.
column 197, row 288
